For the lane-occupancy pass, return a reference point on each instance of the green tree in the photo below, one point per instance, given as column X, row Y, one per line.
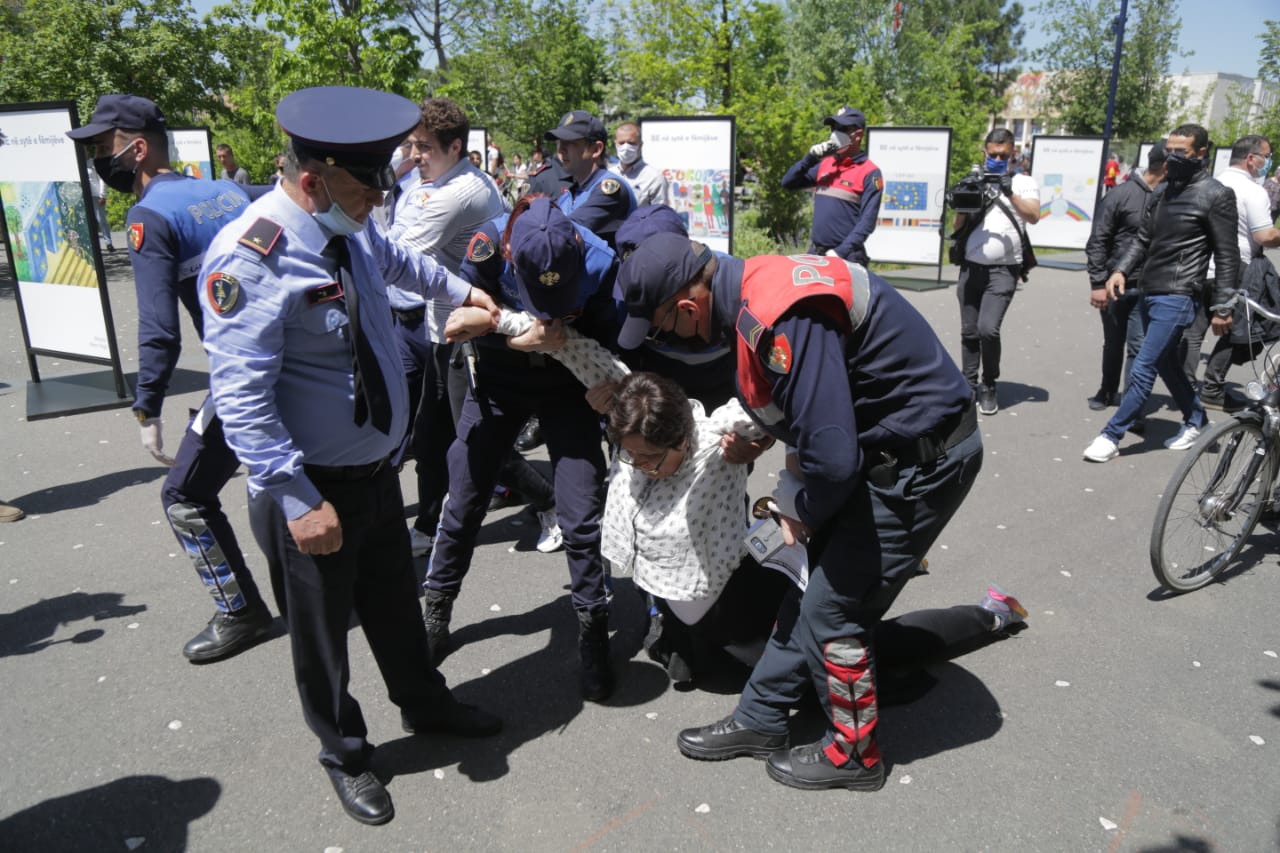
column 1269, row 71
column 1080, row 49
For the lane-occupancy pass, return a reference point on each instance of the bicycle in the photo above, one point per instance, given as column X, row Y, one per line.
column 1227, row 479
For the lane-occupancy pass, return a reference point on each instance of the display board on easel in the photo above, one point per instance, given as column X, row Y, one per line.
column 696, row 154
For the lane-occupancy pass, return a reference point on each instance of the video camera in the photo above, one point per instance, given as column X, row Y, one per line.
column 974, row 192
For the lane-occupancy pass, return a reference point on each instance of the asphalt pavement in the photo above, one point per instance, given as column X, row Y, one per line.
column 1121, row 719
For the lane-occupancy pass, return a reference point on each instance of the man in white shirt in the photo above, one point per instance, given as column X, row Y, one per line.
column 992, row 261
column 1250, row 161
column 646, row 180
column 438, row 216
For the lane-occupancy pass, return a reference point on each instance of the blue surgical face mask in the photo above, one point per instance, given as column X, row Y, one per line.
column 1264, row 171
column 996, row 167
column 335, row 220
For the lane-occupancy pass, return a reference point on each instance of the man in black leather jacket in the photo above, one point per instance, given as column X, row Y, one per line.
column 1118, row 221
column 1193, row 217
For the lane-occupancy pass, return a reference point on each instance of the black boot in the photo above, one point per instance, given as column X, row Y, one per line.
column 439, row 610
column 593, row 648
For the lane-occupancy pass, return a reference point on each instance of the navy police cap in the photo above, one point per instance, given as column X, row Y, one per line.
column 644, row 223
column 657, row 270
column 846, row 118
column 547, row 254
column 126, row 112
column 577, row 124
column 353, row 128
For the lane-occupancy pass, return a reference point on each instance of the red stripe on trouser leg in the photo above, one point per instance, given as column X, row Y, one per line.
column 851, row 693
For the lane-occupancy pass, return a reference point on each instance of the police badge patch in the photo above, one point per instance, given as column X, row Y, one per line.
column 223, row 292
column 549, row 279
column 610, row 186
column 780, row 355
column 135, row 235
column 480, row 249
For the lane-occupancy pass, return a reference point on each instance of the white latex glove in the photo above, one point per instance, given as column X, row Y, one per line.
column 825, row 147
column 831, row 253
column 153, row 440
column 786, row 492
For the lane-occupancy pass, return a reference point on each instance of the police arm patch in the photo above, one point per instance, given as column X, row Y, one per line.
column 480, row 249
column 223, row 292
column 610, row 186
column 136, row 233
column 262, row 236
column 780, row 355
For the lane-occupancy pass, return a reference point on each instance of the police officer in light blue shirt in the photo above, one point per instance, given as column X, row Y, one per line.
column 598, row 199
column 308, row 383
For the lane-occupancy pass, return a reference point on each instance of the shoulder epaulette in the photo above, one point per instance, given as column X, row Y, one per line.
column 262, row 236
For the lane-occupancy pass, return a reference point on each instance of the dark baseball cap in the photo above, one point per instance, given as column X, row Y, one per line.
column 1156, row 154
column 547, row 254
column 578, row 124
column 657, row 270
column 352, row 128
column 846, row 118
column 123, row 112
column 643, row 224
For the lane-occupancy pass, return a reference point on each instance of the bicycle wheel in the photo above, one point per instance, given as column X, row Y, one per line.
column 1211, row 504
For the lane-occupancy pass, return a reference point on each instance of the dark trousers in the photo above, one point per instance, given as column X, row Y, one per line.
column 861, row 559
column 1122, row 334
column 984, row 293
column 189, row 496
column 492, row 417
column 426, row 366
column 372, row 576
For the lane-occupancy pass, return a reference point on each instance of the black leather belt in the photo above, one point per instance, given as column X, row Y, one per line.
column 340, row 473
column 926, row 449
column 410, row 315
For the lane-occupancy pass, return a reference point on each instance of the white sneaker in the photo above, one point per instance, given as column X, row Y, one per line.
column 420, row 543
column 1184, row 439
column 550, row 539
column 1102, row 449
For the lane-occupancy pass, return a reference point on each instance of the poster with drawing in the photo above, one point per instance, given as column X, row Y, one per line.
column 1067, row 169
column 189, row 152
column 913, row 163
column 697, row 155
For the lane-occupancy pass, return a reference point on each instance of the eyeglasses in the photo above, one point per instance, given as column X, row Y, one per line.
column 657, row 334
column 638, row 462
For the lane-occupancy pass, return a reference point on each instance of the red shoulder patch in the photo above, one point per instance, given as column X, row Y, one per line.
column 481, row 248
column 135, row 235
column 262, row 236
column 780, row 355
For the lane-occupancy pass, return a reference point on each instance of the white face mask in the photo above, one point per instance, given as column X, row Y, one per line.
column 841, row 139
column 628, row 153
column 397, row 158
column 335, row 220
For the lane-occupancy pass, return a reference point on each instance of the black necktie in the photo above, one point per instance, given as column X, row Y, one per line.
column 372, row 401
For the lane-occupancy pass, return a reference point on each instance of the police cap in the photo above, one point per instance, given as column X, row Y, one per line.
column 577, row 124
column 846, row 118
column 125, row 112
column 644, row 223
column 351, row 128
column 657, row 270
column 547, row 255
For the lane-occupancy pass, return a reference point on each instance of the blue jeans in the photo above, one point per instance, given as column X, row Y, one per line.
column 1165, row 317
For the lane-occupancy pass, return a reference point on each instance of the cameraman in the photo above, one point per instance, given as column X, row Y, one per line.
column 992, row 263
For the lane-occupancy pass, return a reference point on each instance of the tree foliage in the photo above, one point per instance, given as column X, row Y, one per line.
column 1080, row 50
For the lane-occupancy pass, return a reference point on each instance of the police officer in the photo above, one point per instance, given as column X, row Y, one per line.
column 308, row 382
column 597, row 199
column 882, row 461
column 847, row 190
column 534, row 251
column 169, row 228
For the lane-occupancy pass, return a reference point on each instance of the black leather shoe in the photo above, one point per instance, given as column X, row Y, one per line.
column 727, row 739
column 807, row 767
column 1101, row 400
column 451, row 717
column 228, row 634
column 362, row 796
column 529, row 437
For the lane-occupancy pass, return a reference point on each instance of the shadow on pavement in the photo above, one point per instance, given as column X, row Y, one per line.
column 1013, row 394
column 1181, row 844
column 87, row 492
column 958, row 711
column 29, row 630
column 136, row 812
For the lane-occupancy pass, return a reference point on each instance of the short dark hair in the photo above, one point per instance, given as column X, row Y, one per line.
column 444, row 119
column 222, row 146
column 652, row 407
column 1198, row 135
column 1246, row 145
column 999, row 136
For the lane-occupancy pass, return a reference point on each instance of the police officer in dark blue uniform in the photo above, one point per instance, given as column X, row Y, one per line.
column 847, row 188
column 169, row 228
column 597, row 199
column 882, row 462
column 534, row 260
column 307, row 379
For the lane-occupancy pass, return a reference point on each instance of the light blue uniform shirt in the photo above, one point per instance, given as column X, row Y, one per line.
column 280, row 359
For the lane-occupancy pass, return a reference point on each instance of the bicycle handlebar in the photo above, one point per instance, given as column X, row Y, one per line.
column 1241, row 297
